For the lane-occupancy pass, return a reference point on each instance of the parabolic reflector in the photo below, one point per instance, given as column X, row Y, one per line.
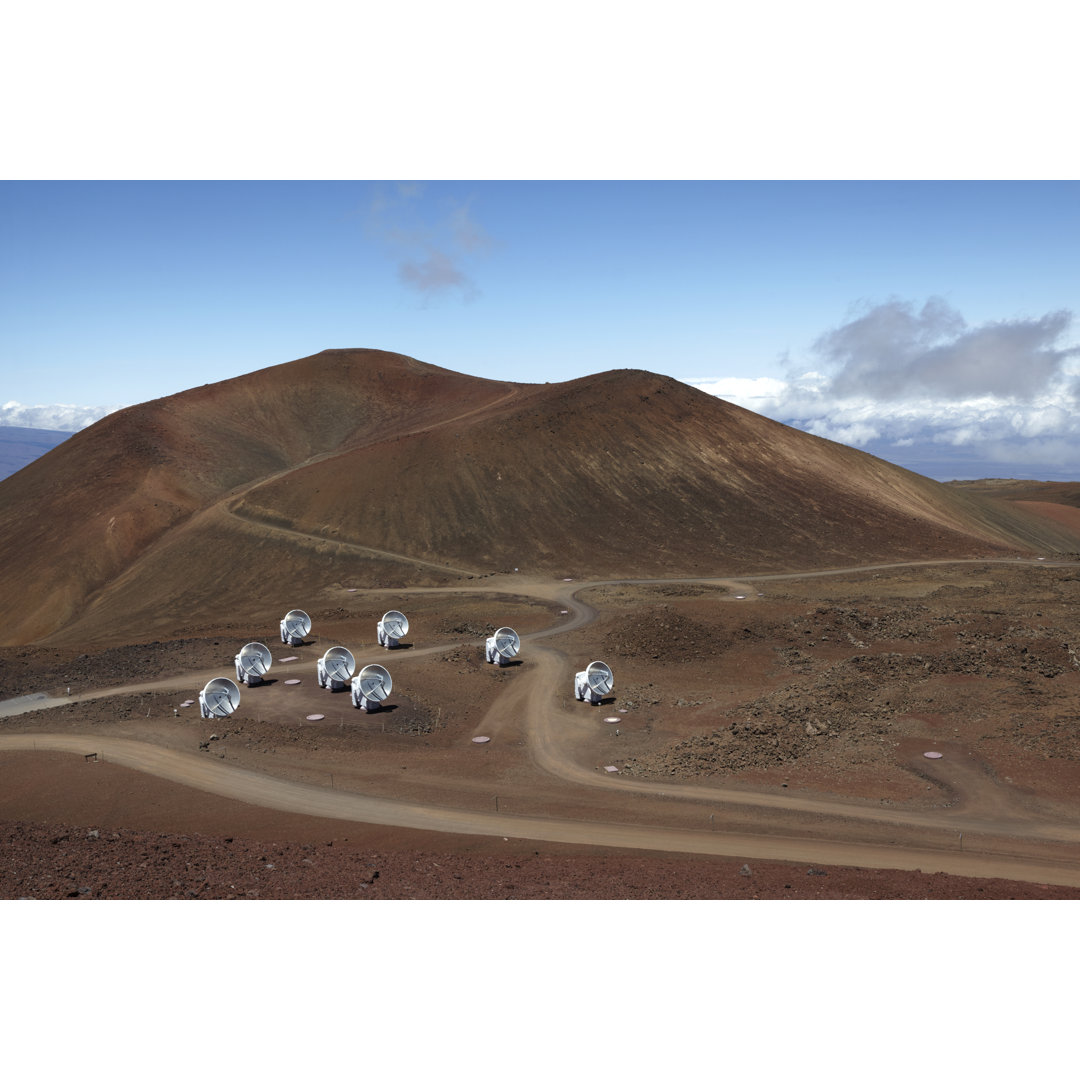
column 507, row 642
column 394, row 624
column 338, row 663
column 374, row 682
column 219, row 697
column 254, row 659
column 599, row 677
column 295, row 626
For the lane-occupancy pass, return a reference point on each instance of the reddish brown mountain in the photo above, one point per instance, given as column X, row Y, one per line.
column 247, row 497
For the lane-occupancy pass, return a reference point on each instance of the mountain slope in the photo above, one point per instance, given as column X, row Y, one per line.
column 248, row 497
column 73, row 523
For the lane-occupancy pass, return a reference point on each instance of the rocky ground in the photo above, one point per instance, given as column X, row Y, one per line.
column 833, row 684
column 58, row 862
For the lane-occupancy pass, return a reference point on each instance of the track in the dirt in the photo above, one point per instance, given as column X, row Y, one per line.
column 923, row 840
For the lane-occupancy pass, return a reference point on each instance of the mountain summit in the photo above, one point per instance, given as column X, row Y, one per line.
column 251, row 496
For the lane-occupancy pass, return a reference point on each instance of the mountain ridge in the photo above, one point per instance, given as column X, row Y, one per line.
column 275, row 487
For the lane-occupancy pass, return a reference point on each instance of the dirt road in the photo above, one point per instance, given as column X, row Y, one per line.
column 991, row 836
column 219, row 778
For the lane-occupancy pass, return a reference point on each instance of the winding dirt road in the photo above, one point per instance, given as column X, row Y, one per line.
column 1000, row 839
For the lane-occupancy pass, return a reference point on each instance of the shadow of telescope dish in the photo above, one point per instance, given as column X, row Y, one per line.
column 220, row 697
column 374, row 682
column 599, row 677
column 295, row 627
column 507, row 642
column 253, row 662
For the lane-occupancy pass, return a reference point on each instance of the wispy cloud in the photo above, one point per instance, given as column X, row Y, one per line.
column 434, row 273
column 922, row 386
column 52, row 417
column 434, row 241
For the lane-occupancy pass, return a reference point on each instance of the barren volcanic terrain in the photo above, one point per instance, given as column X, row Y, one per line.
column 793, row 628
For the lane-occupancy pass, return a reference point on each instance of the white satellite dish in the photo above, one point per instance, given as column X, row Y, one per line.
column 336, row 667
column 502, row 646
column 295, row 627
column 219, row 697
column 371, row 687
column 593, row 683
column 393, row 626
column 252, row 663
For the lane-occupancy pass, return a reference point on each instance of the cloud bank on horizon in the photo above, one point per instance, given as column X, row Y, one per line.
column 924, row 389
column 916, row 386
column 52, row 417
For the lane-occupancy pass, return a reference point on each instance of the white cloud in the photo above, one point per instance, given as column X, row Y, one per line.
column 911, row 385
column 758, row 395
column 891, row 351
column 52, row 417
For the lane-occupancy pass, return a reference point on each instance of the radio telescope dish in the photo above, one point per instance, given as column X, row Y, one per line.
column 371, row 687
column 593, row 683
column 393, row 626
column 219, row 697
column 295, row 627
column 336, row 668
column 502, row 646
column 252, row 663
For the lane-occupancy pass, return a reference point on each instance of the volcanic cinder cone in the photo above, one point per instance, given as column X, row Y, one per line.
column 245, row 498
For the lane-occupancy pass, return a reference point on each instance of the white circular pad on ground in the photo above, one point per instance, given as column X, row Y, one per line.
column 481, row 738
column 316, row 716
column 932, row 753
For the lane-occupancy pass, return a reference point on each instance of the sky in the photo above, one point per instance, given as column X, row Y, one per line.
column 862, row 223
column 930, row 322
column 860, row 219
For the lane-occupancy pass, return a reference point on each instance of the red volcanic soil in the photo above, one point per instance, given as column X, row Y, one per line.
column 354, row 466
column 764, row 695
column 1069, row 516
column 312, row 858
column 825, row 687
column 77, row 863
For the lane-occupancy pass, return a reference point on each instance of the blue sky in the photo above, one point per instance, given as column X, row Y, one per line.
column 857, row 221
column 119, row 292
